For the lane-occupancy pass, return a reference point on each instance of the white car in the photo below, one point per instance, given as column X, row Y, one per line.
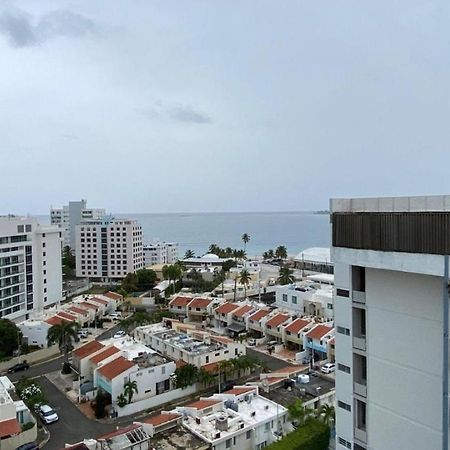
column 119, row 334
column 47, row 414
column 327, row 368
column 115, row 316
column 251, row 342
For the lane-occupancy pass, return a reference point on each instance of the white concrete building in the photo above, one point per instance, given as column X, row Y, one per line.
column 391, row 315
column 30, row 266
column 236, row 419
column 160, row 253
column 191, row 346
column 71, row 215
column 108, row 249
column 315, row 259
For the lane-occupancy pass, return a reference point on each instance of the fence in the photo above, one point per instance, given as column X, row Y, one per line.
column 31, row 358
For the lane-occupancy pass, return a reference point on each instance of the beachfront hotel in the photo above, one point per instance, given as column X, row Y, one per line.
column 391, row 319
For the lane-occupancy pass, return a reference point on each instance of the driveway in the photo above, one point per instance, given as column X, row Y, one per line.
column 271, row 362
column 72, row 426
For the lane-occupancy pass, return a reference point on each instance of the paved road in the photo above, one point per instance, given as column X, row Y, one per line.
column 73, row 425
column 271, row 362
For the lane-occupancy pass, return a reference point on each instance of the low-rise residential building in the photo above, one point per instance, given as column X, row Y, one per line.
column 274, row 327
column 256, row 322
column 238, row 319
column 192, row 346
column 293, row 333
column 160, row 253
column 178, row 305
column 199, row 309
column 315, row 259
column 223, row 315
column 317, row 339
column 208, row 261
column 13, row 415
column 238, row 418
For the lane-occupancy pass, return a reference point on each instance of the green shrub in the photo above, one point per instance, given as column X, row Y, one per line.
column 313, row 435
column 27, row 426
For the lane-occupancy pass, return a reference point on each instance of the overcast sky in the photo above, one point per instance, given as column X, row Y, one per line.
column 166, row 106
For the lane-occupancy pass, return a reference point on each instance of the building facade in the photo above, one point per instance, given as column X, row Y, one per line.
column 160, row 253
column 108, row 249
column 71, row 215
column 30, row 266
column 391, row 319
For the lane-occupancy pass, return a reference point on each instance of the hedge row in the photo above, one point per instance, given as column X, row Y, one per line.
column 314, row 435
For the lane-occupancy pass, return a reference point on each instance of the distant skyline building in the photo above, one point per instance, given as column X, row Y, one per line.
column 30, row 267
column 69, row 216
column 391, row 319
column 108, row 249
column 159, row 252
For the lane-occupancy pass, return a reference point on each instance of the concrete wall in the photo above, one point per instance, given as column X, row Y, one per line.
column 155, row 401
column 34, row 357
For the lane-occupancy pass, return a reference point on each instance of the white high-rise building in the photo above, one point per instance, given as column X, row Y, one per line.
column 108, row 248
column 391, row 319
column 30, row 266
column 160, row 253
column 69, row 216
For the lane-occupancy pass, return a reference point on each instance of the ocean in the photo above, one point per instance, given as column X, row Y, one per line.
column 196, row 231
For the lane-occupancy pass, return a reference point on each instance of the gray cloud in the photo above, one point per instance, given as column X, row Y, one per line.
column 178, row 113
column 23, row 30
column 187, row 114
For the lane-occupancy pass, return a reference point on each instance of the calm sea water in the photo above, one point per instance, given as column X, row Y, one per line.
column 295, row 230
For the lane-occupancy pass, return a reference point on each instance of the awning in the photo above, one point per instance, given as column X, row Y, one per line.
column 235, row 328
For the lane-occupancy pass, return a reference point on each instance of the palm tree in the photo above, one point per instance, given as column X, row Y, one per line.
column 129, row 388
column 213, row 248
column 245, row 279
column 205, row 377
column 65, row 334
column 298, row 412
column 220, row 277
column 225, row 367
column 245, row 239
column 189, row 254
column 327, row 414
column 281, row 252
column 286, row 276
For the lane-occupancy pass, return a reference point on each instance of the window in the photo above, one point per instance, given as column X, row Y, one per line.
column 43, row 244
column 267, row 426
column 343, row 330
column 284, row 297
column 234, row 440
column 342, row 293
column 343, row 368
column 345, row 443
column 248, row 435
column 294, row 299
column 344, row 405
column 20, row 228
column 228, row 443
column 27, row 228
column 329, row 305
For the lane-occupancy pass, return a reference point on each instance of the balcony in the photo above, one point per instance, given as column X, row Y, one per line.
column 359, row 343
column 360, row 389
column 359, row 297
column 361, row 434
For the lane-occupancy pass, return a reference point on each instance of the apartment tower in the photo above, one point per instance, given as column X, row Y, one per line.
column 30, row 267
column 391, row 318
column 108, row 249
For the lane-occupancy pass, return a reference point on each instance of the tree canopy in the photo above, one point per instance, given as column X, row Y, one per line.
column 286, row 276
column 142, row 280
column 281, row 252
column 10, row 337
column 65, row 335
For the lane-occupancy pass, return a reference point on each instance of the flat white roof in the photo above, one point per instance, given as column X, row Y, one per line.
column 322, row 278
column 316, row 254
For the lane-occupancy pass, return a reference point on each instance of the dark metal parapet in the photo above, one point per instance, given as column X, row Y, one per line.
column 411, row 232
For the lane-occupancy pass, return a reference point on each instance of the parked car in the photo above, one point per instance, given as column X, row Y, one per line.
column 115, row 315
column 19, row 367
column 82, row 334
column 306, row 360
column 327, row 368
column 119, row 334
column 251, row 342
column 47, row 414
column 29, row 446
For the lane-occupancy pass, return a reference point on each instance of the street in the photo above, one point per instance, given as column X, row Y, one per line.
column 271, row 362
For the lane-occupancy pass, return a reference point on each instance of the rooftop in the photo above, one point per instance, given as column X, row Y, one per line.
column 9, row 427
column 177, row 439
column 277, row 320
column 180, row 301
column 242, row 310
column 314, row 254
column 319, row 331
column 258, row 315
column 226, row 308
column 116, row 367
column 161, row 418
column 202, row 404
column 200, row 302
column 87, row 349
column 100, row 356
column 297, row 325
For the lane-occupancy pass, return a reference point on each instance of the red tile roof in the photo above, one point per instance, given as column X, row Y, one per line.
column 113, row 295
column 277, row 320
column 222, row 339
column 89, row 305
column 87, row 349
column 9, row 427
column 99, row 300
column 226, row 308
column 119, row 432
column 258, row 315
column 297, row 325
column 56, row 320
column 180, row 301
column 161, row 418
column 67, row 316
column 180, row 363
column 273, row 380
column 318, row 332
column 200, row 302
column 202, row 404
column 240, row 390
column 116, row 367
column 78, row 310
column 211, row 367
column 104, row 354
column 242, row 310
